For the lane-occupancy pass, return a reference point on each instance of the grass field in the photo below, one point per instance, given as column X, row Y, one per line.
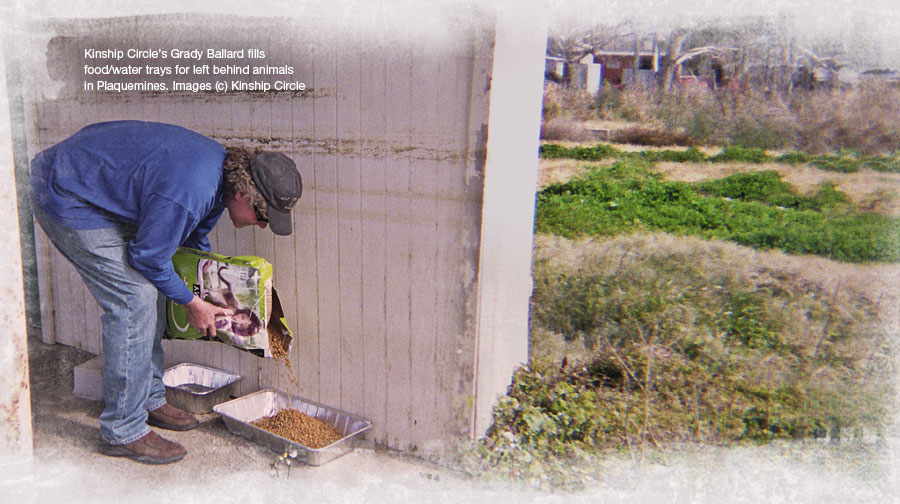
column 728, row 308
column 755, row 209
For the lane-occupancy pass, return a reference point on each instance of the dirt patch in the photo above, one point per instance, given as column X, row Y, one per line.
column 558, row 171
column 876, row 191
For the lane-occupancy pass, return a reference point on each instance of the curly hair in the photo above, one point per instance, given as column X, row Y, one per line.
column 238, row 178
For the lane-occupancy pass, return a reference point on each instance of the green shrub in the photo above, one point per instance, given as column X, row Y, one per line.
column 768, row 187
column 828, row 196
column 752, row 209
column 553, row 151
column 593, row 153
column 846, row 162
column 887, row 164
column 691, row 154
column 836, row 164
column 764, row 186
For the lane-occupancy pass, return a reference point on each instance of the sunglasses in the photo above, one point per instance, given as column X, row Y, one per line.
column 259, row 215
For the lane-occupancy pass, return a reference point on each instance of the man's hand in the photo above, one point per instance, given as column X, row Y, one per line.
column 202, row 316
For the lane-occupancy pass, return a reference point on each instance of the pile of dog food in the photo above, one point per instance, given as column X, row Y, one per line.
column 299, row 428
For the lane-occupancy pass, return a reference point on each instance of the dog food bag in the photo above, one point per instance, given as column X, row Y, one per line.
column 241, row 283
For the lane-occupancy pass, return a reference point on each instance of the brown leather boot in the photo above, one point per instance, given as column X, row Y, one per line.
column 150, row 449
column 172, row 418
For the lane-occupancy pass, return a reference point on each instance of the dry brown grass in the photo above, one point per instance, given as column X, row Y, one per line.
column 557, row 171
column 564, row 129
column 560, row 102
column 863, row 118
column 651, row 136
column 876, row 191
column 879, row 283
column 847, row 286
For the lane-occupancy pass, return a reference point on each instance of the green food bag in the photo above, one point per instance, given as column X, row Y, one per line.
column 241, row 283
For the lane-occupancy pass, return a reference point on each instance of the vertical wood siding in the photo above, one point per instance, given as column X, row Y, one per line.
column 377, row 279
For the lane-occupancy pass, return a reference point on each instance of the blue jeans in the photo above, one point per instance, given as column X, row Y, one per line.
column 133, row 323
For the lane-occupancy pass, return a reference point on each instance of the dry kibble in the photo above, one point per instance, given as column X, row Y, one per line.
column 275, row 344
column 279, row 352
column 300, row 428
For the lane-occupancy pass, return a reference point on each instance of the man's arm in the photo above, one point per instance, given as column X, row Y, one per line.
column 198, row 238
column 162, row 226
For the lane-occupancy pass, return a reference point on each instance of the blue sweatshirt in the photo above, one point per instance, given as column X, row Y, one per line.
column 164, row 179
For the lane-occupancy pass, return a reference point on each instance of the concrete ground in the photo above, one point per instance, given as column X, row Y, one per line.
column 219, row 466
column 224, row 468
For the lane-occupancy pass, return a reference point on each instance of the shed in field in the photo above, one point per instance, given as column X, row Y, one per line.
column 407, row 279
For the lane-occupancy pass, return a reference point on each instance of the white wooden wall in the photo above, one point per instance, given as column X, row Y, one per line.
column 15, row 392
column 379, row 281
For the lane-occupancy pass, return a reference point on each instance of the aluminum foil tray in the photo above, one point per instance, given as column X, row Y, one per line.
column 197, row 388
column 238, row 413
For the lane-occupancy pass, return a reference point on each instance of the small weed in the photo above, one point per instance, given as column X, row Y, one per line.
column 747, row 321
column 886, row 164
column 836, row 164
column 594, row 153
column 691, row 154
column 740, row 154
column 845, row 162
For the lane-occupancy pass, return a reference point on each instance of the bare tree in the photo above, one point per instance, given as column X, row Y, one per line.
column 756, row 50
column 573, row 45
column 667, row 65
column 676, row 54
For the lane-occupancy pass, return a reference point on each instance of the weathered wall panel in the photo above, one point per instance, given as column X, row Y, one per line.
column 505, row 279
column 377, row 279
column 15, row 391
column 382, row 278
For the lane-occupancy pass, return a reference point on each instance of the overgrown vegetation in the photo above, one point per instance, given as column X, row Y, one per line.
column 649, row 330
column 862, row 119
column 642, row 342
column 753, row 209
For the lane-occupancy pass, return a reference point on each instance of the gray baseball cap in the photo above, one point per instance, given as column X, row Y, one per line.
column 278, row 180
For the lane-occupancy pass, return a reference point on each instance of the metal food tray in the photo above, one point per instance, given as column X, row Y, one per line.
column 195, row 388
column 238, row 413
